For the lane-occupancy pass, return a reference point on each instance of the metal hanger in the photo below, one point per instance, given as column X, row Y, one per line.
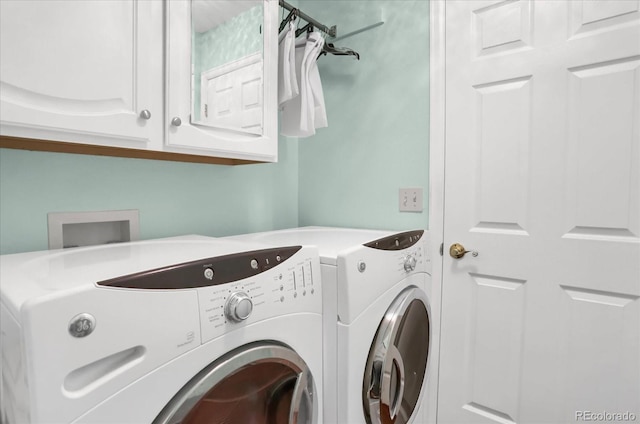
column 329, row 48
column 293, row 14
column 308, row 28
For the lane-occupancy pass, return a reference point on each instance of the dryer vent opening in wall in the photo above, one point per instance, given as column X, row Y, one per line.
column 74, row 229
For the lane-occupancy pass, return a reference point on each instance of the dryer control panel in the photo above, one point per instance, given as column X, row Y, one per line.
column 399, row 241
column 410, row 248
column 366, row 273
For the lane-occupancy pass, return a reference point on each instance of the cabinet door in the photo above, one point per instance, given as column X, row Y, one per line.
column 222, row 78
column 82, row 71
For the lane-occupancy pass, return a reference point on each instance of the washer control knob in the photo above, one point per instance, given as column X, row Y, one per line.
column 238, row 307
column 410, row 263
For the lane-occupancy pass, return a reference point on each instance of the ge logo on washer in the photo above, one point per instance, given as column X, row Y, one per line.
column 82, row 325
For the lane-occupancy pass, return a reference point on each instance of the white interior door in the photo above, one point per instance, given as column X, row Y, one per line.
column 232, row 95
column 542, row 180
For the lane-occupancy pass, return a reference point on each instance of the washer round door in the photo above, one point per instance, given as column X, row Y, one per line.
column 397, row 363
column 262, row 383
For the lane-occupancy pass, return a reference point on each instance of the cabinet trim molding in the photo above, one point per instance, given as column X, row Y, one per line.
column 9, row 142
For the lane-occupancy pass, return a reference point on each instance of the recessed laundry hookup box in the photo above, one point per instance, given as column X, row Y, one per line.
column 74, row 229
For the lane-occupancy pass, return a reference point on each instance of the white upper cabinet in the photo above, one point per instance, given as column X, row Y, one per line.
column 221, row 78
column 177, row 80
column 82, row 71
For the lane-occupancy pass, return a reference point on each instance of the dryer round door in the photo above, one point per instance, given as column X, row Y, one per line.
column 257, row 383
column 397, row 363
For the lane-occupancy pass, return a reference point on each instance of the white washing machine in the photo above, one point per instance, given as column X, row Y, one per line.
column 381, row 323
column 163, row 331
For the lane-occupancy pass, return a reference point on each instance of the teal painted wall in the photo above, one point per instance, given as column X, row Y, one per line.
column 173, row 198
column 378, row 112
column 346, row 175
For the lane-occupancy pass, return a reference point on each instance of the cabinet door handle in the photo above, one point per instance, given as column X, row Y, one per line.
column 145, row 114
column 176, row 122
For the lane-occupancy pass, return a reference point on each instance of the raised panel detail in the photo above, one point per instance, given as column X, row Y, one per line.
column 602, row 189
column 598, row 296
column 496, row 322
column 607, row 325
column 81, row 70
column 503, row 120
column 502, row 27
column 232, row 95
column 251, row 106
column 488, row 413
column 79, row 107
column 594, row 16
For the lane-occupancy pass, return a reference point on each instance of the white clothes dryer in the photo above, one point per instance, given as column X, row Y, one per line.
column 162, row 331
column 381, row 323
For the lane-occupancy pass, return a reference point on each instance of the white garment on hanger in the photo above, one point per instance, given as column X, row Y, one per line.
column 319, row 111
column 303, row 114
column 307, row 127
column 287, row 79
column 291, row 110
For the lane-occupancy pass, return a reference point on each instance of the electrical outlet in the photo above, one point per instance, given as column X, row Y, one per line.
column 410, row 199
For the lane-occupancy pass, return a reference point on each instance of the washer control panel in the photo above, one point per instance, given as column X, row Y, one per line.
column 287, row 287
column 206, row 272
column 236, row 289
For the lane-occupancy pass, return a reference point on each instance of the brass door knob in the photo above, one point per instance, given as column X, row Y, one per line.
column 457, row 251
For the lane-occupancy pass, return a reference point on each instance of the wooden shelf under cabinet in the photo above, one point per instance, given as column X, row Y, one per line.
column 88, row 149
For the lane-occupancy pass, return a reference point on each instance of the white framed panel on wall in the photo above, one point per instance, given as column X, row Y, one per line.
column 187, row 135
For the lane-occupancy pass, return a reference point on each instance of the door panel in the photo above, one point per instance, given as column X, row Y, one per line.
column 602, row 152
column 233, row 95
column 501, row 145
column 82, row 71
column 498, row 317
column 542, row 179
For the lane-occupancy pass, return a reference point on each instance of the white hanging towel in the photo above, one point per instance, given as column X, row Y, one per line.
column 307, row 102
column 303, row 114
column 319, row 110
column 291, row 110
column 287, row 79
